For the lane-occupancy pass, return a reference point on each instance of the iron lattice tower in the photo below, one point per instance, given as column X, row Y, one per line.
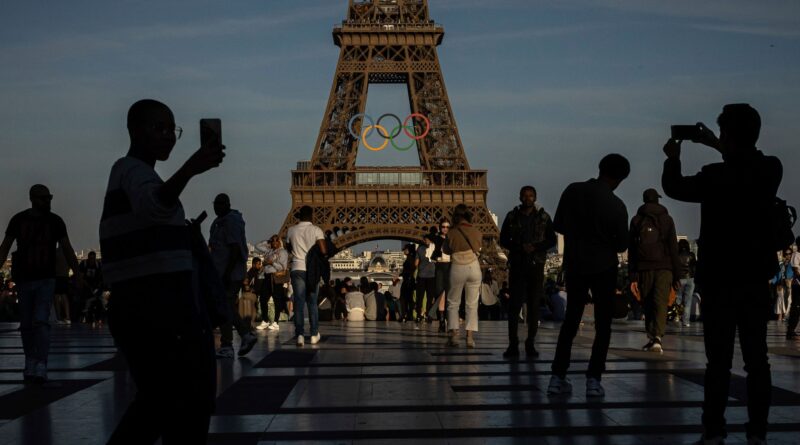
column 388, row 41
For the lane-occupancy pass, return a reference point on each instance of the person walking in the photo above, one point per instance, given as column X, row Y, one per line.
column 302, row 237
column 594, row 222
column 528, row 234
column 688, row 265
column 463, row 246
column 40, row 234
column 408, row 284
column 426, row 277
column 736, row 294
column 442, row 261
column 228, row 247
column 653, row 264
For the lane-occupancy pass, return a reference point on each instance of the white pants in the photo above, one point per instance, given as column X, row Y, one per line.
column 464, row 276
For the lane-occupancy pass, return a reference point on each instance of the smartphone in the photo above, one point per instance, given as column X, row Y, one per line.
column 685, row 132
column 201, row 217
column 210, row 132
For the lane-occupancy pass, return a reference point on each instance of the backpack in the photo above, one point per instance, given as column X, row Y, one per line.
column 648, row 240
column 781, row 219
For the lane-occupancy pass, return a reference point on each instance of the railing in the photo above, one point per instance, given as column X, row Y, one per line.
column 388, row 27
column 389, row 177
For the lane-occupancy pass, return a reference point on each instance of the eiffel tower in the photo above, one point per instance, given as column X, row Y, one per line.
column 388, row 41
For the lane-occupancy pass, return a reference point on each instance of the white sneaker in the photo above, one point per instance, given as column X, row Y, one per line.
column 274, row 327
column 263, row 325
column 559, row 386
column 300, row 340
column 594, row 388
column 686, row 324
column 316, row 338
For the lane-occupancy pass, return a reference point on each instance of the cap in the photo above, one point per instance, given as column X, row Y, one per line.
column 650, row 195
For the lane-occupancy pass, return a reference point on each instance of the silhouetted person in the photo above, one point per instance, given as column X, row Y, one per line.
column 39, row 234
column 594, row 222
column 736, row 294
column 157, row 323
column 302, row 237
column 426, row 277
column 408, row 284
column 688, row 263
column 442, row 271
column 528, row 234
column 228, row 247
column 794, row 309
column 653, row 264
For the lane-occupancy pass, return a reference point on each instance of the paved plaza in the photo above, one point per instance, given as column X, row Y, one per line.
column 391, row 383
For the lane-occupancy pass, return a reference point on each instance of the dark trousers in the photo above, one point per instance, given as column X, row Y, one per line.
column 603, row 286
column 727, row 305
column 425, row 287
column 527, row 287
column 794, row 310
column 264, row 291
column 407, row 298
column 232, row 289
column 655, row 286
column 163, row 333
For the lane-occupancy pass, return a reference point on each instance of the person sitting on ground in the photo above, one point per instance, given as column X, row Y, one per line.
column 356, row 306
column 370, row 302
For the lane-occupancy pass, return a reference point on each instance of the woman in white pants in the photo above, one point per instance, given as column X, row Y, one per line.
column 463, row 244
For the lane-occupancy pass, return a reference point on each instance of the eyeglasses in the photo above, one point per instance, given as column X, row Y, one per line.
column 166, row 131
column 446, row 227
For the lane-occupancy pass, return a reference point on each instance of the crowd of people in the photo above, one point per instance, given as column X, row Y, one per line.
column 153, row 259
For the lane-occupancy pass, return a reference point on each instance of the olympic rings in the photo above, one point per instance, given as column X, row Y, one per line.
column 389, row 136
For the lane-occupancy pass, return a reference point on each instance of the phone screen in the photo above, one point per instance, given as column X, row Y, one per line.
column 210, row 132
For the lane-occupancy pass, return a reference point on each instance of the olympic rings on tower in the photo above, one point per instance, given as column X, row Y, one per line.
column 389, row 136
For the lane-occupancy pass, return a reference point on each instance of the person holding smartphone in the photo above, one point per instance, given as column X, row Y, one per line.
column 147, row 261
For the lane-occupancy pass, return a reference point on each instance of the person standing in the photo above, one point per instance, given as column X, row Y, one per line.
column 408, row 284
column 426, row 277
column 442, row 261
column 594, row 222
column 229, row 251
column 40, row 235
column 164, row 335
column 275, row 261
column 794, row 307
column 302, row 237
column 688, row 264
column 463, row 246
column 653, row 264
column 528, row 234
column 736, row 294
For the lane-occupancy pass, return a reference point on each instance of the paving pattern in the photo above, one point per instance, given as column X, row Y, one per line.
column 392, row 383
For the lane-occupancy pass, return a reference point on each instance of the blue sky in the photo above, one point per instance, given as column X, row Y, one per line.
column 541, row 91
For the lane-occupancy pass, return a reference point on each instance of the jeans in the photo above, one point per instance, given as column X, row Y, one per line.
column 655, row 286
column 164, row 334
column 743, row 304
column 232, row 289
column 603, row 286
column 35, row 301
column 687, row 296
column 464, row 276
column 407, row 287
column 304, row 296
column 527, row 287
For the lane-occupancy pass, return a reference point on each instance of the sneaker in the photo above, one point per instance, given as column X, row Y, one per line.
column 559, row 386
column 511, row 353
column 225, row 352
column 712, row 441
column 316, row 338
column 653, row 346
column 68, row 322
column 530, row 350
column 263, row 325
column 40, row 373
column 453, row 340
column 300, row 340
column 686, row 324
column 470, row 342
column 248, row 341
column 594, row 388
column 752, row 440
column 274, row 326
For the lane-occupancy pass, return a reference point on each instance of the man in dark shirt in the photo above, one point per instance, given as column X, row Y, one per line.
column 528, row 234
column 735, row 293
column 38, row 233
column 594, row 222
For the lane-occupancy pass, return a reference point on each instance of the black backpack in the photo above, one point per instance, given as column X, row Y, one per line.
column 649, row 239
column 781, row 220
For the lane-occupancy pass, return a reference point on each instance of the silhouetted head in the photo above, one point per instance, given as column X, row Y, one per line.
column 739, row 128
column 650, row 196
column 461, row 214
column 305, row 213
column 40, row 198
column 614, row 168
column 151, row 127
column 527, row 196
column 409, row 250
column 222, row 204
column 427, row 239
column 683, row 245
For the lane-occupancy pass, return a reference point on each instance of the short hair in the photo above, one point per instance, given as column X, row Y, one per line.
column 615, row 166
column 740, row 121
column 461, row 213
column 683, row 244
column 306, row 213
column 141, row 110
column 256, row 260
column 92, row 253
column 527, row 187
column 429, row 237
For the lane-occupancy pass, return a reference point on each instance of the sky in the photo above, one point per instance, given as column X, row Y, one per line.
column 540, row 90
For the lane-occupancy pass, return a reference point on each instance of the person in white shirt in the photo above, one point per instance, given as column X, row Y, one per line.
column 356, row 306
column 302, row 238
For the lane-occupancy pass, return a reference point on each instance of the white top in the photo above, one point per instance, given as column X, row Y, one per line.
column 796, row 264
column 302, row 237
